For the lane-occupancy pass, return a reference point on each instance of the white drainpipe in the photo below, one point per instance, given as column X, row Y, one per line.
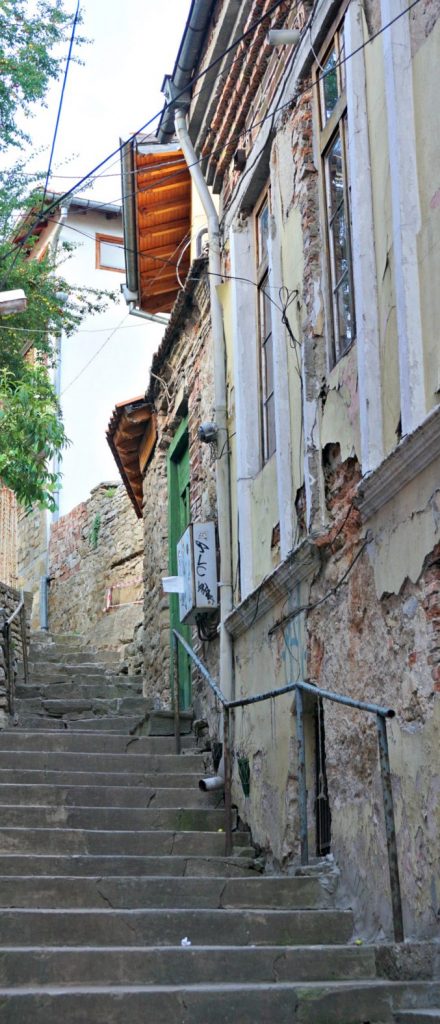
column 223, row 479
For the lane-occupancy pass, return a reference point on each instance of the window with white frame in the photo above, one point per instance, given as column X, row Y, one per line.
column 332, row 112
column 265, row 339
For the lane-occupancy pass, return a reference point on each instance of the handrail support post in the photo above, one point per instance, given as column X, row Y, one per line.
column 302, row 781
column 228, row 780
column 176, row 694
column 390, row 828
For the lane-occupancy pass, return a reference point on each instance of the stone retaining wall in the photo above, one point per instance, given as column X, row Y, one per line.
column 95, row 548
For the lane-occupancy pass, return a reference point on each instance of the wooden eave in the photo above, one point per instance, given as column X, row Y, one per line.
column 163, row 226
column 131, row 435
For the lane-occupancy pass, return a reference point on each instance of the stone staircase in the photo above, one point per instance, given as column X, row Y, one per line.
column 71, row 686
column 117, row 904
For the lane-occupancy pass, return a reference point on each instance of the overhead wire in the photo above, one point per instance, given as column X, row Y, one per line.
column 94, row 356
column 255, row 124
column 60, row 105
column 167, row 105
column 62, row 197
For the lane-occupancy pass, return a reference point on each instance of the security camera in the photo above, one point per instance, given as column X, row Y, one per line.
column 208, row 432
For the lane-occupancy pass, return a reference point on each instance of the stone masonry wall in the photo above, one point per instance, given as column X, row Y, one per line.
column 98, row 545
column 32, row 555
column 185, row 388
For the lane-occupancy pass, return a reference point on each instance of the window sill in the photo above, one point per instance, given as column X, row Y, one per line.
column 412, row 455
column 283, row 581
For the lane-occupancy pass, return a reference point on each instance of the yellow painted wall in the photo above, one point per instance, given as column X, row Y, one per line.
column 427, row 118
column 382, row 214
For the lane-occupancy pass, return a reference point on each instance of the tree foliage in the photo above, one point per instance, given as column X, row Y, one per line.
column 31, row 430
column 29, row 37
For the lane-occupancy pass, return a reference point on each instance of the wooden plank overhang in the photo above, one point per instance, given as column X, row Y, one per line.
column 131, row 435
column 163, row 223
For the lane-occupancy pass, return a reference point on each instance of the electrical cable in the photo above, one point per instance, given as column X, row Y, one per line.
column 167, row 105
column 256, row 124
column 93, row 357
column 270, row 115
column 60, row 105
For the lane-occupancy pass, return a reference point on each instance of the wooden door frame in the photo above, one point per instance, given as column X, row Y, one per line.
column 176, row 449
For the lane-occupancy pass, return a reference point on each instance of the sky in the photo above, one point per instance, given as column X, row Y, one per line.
column 134, row 43
column 110, row 95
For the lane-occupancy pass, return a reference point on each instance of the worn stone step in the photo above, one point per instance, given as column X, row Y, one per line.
column 71, row 740
column 158, row 892
column 221, row 1003
column 416, row 997
column 191, row 819
column 53, row 673
column 132, row 779
column 91, row 865
column 420, row 1016
column 161, row 723
column 194, row 965
column 168, row 927
column 97, row 841
column 103, row 690
column 107, row 796
column 55, row 654
column 124, row 725
column 79, row 761
column 46, row 637
column 71, row 706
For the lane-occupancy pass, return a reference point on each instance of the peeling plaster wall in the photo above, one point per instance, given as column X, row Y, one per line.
column 265, row 733
column 340, row 420
column 405, row 531
column 381, row 191
column 383, row 651
column 265, row 518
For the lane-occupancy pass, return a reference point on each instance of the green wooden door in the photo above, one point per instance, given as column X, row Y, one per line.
column 178, row 520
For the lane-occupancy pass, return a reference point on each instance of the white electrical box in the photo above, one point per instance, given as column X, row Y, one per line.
column 197, row 566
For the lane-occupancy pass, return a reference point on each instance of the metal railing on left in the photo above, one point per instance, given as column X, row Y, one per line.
column 6, row 624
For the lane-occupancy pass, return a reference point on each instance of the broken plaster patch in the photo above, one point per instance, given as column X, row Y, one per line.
column 398, row 551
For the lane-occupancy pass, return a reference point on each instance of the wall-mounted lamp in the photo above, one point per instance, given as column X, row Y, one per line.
column 12, row 301
column 283, row 37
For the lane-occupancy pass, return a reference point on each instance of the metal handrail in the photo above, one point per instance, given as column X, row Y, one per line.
column 382, row 713
column 19, row 611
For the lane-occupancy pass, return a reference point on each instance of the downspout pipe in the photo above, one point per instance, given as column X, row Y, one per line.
column 129, row 215
column 217, row 782
column 219, row 352
column 196, row 26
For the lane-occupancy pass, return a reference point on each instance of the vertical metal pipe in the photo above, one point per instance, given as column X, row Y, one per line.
column 24, row 641
column 302, row 782
column 176, row 694
column 390, row 828
column 228, row 781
